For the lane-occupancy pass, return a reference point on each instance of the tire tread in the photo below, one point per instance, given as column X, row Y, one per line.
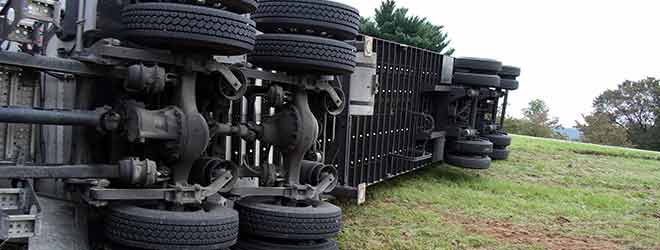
column 342, row 21
column 188, row 26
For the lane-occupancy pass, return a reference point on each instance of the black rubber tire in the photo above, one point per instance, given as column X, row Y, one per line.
column 134, row 226
column 236, row 6
column 474, row 147
column 240, row 6
column 261, row 216
column 499, row 140
column 500, row 154
column 188, row 28
column 303, row 54
column 509, row 84
column 468, row 161
column 477, row 65
column 478, row 80
column 312, row 17
column 510, row 71
column 247, row 243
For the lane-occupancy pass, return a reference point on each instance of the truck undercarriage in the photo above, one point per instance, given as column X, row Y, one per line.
column 173, row 125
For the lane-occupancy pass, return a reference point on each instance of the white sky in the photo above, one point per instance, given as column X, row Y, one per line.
column 569, row 50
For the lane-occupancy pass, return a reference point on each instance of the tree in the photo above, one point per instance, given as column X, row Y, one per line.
column 394, row 23
column 541, row 125
column 635, row 107
column 598, row 129
column 515, row 125
column 536, row 122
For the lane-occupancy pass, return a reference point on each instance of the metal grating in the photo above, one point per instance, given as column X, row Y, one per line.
column 365, row 149
column 383, row 146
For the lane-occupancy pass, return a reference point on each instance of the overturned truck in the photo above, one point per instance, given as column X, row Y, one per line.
column 173, row 125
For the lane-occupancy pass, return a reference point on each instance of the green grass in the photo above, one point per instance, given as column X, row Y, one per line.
column 549, row 195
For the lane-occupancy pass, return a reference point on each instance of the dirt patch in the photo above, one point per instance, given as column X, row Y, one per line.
column 656, row 215
column 519, row 235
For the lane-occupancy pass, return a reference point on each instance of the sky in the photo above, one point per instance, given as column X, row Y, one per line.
column 569, row 51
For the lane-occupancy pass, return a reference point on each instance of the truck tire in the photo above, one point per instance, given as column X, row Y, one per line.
column 500, row 140
column 474, row 147
column 500, row 154
column 236, row 6
column 508, row 84
column 477, row 80
column 240, row 6
column 134, row 226
column 468, row 161
column 265, row 217
column 312, row 17
column 248, row 243
column 509, row 72
column 188, row 28
column 303, row 54
column 477, row 65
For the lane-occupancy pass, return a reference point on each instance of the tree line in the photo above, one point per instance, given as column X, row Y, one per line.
column 628, row 116
column 536, row 122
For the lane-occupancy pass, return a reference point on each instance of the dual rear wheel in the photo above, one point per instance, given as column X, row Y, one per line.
column 302, row 36
column 469, row 154
column 305, row 36
column 263, row 222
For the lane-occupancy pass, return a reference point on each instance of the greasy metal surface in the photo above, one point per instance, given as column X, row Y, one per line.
column 4, row 98
column 60, row 171
column 22, row 222
column 17, row 89
column 63, row 226
column 9, row 198
column 17, row 226
column 27, row 115
column 57, row 65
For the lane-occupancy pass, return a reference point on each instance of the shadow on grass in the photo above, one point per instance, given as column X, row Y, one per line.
column 439, row 173
column 432, row 174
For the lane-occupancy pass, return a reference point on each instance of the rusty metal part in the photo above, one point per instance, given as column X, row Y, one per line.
column 293, row 130
column 195, row 135
column 314, row 173
column 149, row 80
column 142, row 124
column 296, row 192
column 59, row 171
column 137, row 172
column 50, row 117
column 178, row 194
column 207, row 171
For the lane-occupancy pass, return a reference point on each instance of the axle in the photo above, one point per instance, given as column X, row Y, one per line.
column 50, row 117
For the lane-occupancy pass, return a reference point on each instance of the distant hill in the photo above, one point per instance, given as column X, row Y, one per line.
column 573, row 134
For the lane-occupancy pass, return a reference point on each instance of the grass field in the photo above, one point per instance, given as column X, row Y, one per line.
column 548, row 195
